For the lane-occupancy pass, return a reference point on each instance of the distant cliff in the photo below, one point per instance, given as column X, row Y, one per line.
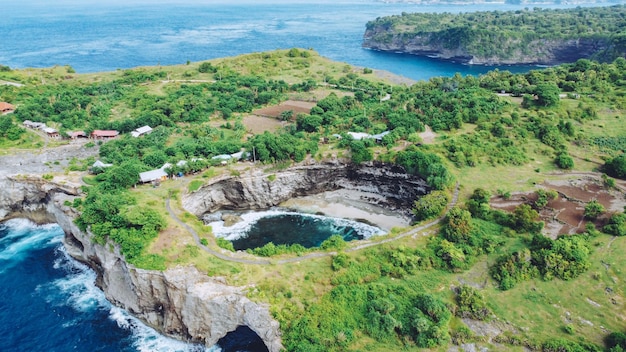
column 546, row 37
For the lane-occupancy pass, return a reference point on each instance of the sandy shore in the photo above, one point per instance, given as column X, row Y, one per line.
column 355, row 205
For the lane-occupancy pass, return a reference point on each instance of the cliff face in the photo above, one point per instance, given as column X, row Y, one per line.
column 260, row 191
column 179, row 302
column 540, row 52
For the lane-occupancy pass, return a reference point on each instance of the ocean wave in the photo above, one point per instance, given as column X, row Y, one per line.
column 23, row 237
column 78, row 286
column 241, row 229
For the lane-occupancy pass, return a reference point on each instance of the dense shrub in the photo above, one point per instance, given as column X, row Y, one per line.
column 431, row 205
column 616, row 167
column 616, row 225
column 471, row 304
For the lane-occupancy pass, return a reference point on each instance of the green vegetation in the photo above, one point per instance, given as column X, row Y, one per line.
column 616, row 225
column 509, row 34
column 395, row 295
column 471, row 304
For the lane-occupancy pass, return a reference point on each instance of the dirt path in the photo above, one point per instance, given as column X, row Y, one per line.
column 233, row 256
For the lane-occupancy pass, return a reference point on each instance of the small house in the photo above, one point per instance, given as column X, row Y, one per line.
column 104, row 134
column 153, row 176
column 6, row 108
column 51, row 132
column 34, row 125
column 379, row 137
column 141, row 131
column 358, row 135
column 77, row 134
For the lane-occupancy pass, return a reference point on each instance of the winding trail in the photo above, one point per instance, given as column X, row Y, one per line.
column 234, row 258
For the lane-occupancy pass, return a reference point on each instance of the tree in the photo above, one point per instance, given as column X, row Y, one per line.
column 616, row 167
column 478, row 204
column 564, row 161
column 593, row 210
column 471, row 304
column 430, row 205
column 616, row 225
column 547, row 94
column 360, row 152
column 457, row 225
column 526, row 218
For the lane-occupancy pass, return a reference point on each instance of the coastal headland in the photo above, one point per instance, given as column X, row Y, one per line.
column 511, row 184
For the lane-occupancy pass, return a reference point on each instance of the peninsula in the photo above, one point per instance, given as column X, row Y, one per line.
column 514, row 184
column 530, row 36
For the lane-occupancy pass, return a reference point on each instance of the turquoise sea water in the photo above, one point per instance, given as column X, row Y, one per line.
column 103, row 36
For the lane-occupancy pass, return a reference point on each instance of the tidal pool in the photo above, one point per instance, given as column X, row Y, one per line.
column 278, row 226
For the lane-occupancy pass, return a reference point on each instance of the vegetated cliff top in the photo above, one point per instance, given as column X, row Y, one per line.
column 523, row 36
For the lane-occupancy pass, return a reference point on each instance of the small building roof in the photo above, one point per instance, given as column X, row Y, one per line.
column 222, row 157
column 105, row 133
column 49, row 130
column 144, row 129
column 77, row 134
column 237, row 155
column 359, row 135
column 141, row 130
column 31, row 124
column 99, row 163
column 380, row 135
column 152, row 175
column 4, row 106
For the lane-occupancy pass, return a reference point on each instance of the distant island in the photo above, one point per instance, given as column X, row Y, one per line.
column 529, row 36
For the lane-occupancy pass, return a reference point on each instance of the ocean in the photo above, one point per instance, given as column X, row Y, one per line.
column 49, row 301
column 93, row 36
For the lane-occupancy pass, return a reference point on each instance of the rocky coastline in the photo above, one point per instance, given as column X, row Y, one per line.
column 179, row 302
column 182, row 302
column 538, row 52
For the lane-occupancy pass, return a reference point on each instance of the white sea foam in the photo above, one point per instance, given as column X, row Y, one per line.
column 23, row 237
column 83, row 295
column 241, row 229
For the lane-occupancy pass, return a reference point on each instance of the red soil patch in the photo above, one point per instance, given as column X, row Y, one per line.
column 565, row 214
column 296, row 106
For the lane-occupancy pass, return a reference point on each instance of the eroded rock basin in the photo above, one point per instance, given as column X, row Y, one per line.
column 377, row 196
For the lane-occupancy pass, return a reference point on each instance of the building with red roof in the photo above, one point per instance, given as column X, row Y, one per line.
column 104, row 134
column 6, row 108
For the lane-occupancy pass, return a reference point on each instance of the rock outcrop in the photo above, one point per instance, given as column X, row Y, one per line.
column 180, row 302
column 537, row 52
column 390, row 183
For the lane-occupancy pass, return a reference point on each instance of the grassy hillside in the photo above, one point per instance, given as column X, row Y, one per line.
column 425, row 291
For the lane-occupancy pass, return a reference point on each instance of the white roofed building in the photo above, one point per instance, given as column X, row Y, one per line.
column 141, row 131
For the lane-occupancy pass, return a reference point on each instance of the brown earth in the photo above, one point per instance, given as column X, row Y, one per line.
column 297, row 107
column 258, row 124
column 565, row 214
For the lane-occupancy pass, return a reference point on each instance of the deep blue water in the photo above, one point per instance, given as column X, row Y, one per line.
column 307, row 231
column 50, row 302
column 106, row 35
column 282, row 226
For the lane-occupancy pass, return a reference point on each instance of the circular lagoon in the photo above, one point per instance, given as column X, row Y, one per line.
column 257, row 229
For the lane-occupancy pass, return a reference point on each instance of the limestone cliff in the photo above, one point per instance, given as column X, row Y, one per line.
column 260, row 191
column 180, row 302
column 536, row 52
